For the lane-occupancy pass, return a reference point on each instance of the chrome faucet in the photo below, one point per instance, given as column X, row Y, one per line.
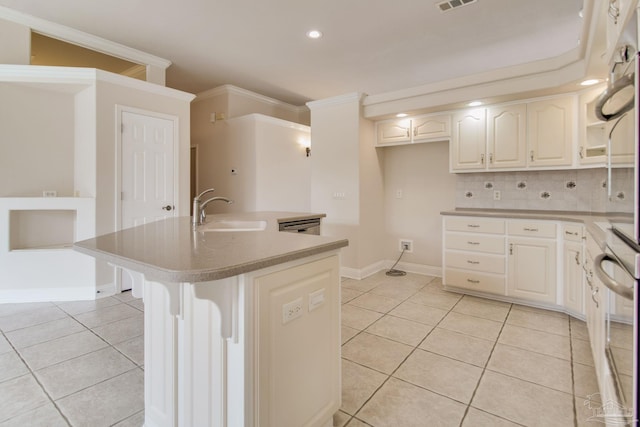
column 199, row 207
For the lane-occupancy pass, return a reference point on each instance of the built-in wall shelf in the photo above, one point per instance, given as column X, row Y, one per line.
column 37, row 252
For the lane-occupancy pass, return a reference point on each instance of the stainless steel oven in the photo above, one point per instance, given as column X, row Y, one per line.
column 619, row 267
column 619, row 273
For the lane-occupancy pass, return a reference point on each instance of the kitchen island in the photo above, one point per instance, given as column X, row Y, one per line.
column 242, row 322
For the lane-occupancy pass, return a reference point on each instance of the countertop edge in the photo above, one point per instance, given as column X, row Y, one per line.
column 157, row 273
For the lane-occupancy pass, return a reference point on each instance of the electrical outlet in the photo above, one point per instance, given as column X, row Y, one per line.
column 406, row 245
column 496, row 195
column 291, row 310
column 398, row 194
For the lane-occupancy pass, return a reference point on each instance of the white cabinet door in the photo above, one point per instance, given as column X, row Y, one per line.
column 468, row 140
column 532, row 269
column 573, row 277
column 550, row 132
column 431, row 127
column 394, row 132
column 506, row 136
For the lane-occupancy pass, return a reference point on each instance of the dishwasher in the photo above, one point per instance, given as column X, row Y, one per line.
column 303, row 226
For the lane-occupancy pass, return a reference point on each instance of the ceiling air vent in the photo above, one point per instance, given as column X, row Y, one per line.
column 448, row 5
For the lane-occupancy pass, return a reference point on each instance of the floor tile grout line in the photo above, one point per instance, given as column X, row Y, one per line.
column 388, row 375
column 484, row 369
column 42, row 387
column 402, row 362
column 383, row 314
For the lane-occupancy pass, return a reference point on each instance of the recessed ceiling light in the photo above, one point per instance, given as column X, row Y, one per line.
column 314, row 34
column 474, row 104
column 589, row 82
column 401, row 115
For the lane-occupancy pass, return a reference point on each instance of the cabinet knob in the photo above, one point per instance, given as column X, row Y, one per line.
column 490, row 157
column 482, row 158
column 510, row 248
column 531, row 155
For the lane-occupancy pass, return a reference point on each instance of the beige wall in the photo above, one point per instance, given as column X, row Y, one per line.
column 110, row 95
column 421, row 172
column 372, row 210
column 36, row 141
column 15, row 43
column 344, row 161
column 215, row 147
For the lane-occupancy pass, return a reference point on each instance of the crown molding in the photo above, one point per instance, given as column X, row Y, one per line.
column 336, row 100
column 231, row 89
column 83, row 39
column 75, row 79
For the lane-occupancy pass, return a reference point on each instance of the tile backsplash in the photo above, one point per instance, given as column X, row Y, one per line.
column 582, row 190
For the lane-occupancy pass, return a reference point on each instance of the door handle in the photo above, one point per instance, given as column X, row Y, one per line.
column 168, row 208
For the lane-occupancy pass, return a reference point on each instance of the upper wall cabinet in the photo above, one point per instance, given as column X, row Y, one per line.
column 469, row 140
column 394, row 132
column 506, row 136
column 427, row 128
column 619, row 13
column 550, row 133
column 538, row 134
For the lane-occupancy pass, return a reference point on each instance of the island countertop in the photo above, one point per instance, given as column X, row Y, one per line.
column 170, row 250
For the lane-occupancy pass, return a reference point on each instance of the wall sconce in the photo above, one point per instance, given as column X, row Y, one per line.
column 308, row 151
column 213, row 117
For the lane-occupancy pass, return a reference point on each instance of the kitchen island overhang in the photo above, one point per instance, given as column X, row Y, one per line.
column 224, row 313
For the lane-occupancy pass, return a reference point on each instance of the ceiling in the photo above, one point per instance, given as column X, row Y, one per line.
column 369, row 46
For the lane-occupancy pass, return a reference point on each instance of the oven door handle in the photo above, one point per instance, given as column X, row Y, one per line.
column 608, row 281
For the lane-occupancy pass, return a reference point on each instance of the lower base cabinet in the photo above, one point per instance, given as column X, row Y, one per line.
column 532, row 269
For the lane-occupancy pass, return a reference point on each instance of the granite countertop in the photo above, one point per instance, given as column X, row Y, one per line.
column 171, row 250
column 593, row 222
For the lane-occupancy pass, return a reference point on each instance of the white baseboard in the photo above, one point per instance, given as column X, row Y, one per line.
column 359, row 274
column 47, row 294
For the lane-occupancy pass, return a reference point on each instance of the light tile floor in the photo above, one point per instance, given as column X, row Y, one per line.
column 413, row 355
column 416, row 355
column 72, row 363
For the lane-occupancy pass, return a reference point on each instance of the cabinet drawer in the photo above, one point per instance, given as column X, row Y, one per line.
column 572, row 232
column 481, row 282
column 475, row 261
column 475, row 225
column 475, row 243
column 532, row 228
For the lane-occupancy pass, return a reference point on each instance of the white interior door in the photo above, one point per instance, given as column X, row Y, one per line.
column 147, row 169
column 147, row 172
